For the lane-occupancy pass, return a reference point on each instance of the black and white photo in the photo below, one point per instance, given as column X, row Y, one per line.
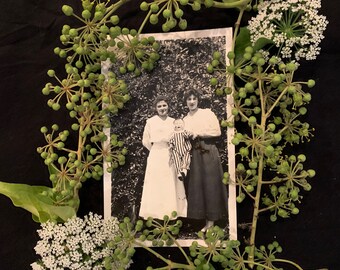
column 177, row 151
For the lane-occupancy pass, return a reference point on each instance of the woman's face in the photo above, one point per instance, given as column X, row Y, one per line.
column 192, row 102
column 162, row 108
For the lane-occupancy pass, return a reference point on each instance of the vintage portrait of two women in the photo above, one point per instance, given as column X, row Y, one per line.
column 177, row 149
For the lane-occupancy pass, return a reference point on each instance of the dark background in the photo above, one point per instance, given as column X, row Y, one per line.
column 29, row 30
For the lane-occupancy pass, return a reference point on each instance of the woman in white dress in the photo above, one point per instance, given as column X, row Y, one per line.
column 162, row 193
column 207, row 195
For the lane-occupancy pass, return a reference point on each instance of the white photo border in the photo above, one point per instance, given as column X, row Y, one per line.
column 232, row 211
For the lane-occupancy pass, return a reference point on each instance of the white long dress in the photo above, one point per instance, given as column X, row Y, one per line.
column 162, row 191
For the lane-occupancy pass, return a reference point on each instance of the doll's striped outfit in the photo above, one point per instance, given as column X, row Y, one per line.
column 180, row 147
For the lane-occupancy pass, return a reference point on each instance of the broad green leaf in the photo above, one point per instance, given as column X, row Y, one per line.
column 242, row 41
column 31, row 199
column 52, row 169
column 261, row 42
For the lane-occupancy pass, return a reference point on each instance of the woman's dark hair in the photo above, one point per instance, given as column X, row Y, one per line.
column 158, row 99
column 192, row 92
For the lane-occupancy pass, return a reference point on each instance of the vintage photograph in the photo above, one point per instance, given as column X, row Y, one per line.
column 177, row 151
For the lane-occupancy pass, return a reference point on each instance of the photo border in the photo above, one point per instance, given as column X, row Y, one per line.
column 232, row 208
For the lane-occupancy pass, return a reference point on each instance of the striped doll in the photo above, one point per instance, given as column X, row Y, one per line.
column 180, row 147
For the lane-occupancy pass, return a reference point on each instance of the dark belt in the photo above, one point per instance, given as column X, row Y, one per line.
column 197, row 143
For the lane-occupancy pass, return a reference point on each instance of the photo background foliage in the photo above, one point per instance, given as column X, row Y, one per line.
column 182, row 67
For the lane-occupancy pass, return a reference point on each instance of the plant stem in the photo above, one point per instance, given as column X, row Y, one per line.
column 288, row 262
column 171, row 265
column 232, row 4
column 259, row 183
column 182, row 250
column 144, row 22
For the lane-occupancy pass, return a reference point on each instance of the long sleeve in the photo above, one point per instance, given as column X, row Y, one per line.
column 211, row 127
column 203, row 123
column 146, row 136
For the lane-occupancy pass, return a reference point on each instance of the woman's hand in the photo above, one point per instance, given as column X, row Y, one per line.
column 192, row 134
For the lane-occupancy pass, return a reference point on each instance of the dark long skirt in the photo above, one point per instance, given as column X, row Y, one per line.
column 207, row 195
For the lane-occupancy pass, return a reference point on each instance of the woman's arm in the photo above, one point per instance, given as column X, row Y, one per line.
column 146, row 136
column 210, row 125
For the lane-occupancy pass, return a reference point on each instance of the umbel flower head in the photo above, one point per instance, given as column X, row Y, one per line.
column 294, row 26
column 80, row 244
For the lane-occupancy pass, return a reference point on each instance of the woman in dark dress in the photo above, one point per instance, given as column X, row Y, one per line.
column 207, row 195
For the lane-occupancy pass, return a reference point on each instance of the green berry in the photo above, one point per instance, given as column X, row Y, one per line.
column 271, row 127
column 253, row 165
column 302, row 158
column 244, row 151
column 86, row 14
column 228, row 90
column 231, row 55
column 273, row 218
column 273, row 60
column 178, row 13
column 114, row 19
column 291, row 67
column 196, row 6
column 219, row 91
column 183, row 24
column 310, row 83
column 240, row 198
column 51, row 73
column 277, row 137
column 303, row 110
column 165, row 27
column 269, row 151
column 249, row 188
column 249, row 87
column 144, row 6
column 260, row 62
column 249, row 49
column 235, row 141
column 217, row 55
column 153, row 19
column 154, row 8
column 43, row 129
column 183, row 2
column 311, row 173
column 75, row 127
column 55, row 106
column 276, row 79
column 247, row 56
column 131, row 66
column 46, row 90
column 68, row 11
column 307, row 97
column 252, row 120
column 213, row 81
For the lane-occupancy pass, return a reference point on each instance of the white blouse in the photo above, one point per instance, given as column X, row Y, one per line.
column 157, row 130
column 203, row 123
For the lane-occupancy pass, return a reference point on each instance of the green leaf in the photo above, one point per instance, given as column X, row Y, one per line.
column 261, row 42
column 31, row 199
column 243, row 41
column 52, row 169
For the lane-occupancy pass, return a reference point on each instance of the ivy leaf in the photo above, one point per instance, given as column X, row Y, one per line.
column 243, row 41
column 261, row 42
column 52, row 169
column 31, row 199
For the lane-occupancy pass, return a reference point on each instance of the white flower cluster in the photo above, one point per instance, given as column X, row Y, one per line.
column 294, row 26
column 78, row 244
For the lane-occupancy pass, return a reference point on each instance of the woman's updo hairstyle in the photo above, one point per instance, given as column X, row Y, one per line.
column 158, row 99
column 192, row 92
